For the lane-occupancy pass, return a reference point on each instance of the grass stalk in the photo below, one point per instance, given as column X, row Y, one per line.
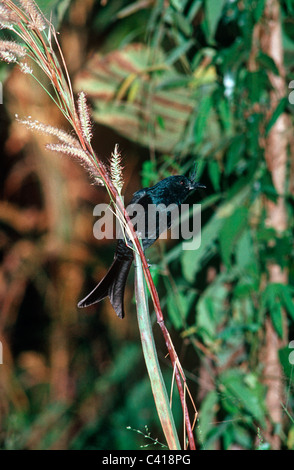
column 150, row 355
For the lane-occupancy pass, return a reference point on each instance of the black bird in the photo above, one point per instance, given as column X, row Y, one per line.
column 170, row 191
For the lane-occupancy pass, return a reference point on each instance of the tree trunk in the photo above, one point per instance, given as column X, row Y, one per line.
column 276, row 149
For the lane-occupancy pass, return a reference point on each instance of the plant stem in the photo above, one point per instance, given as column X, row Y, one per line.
column 150, row 356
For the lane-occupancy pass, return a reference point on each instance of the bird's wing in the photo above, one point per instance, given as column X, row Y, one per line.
column 149, row 225
column 138, row 196
column 138, row 212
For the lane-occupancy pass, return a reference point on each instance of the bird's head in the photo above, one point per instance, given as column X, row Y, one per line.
column 175, row 189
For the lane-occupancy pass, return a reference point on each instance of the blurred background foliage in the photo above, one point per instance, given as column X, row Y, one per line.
column 174, row 83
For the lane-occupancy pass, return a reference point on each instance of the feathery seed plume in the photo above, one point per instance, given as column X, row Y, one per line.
column 36, row 17
column 7, row 17
column 50, row 130
column 81, row 156
column 10, row 51
column 116, row 169
column 84, row 116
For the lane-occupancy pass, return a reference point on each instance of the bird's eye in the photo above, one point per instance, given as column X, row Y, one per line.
column 182, row 182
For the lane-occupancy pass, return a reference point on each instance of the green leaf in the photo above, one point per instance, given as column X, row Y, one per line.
column 211, row 310
column 214, row 174
column 284, row 357
column 207, row 414
column 267, row 186
column 192, row 260
column 194, row 8
column 287, row 300
column 267, row 62
column 177, row 4
column 181, row 23
column 205, row 319
column 258, row 9
column 245, row 254
column 234, row 153
column 178, row 307
column 203, row 113
column 231, row 231
column 258, row 84
column 246, row 391
column 225, row 115
column 277, row 113
column 271, row 299
column 149, row 173
column 290, row 6
column 277, row 318
column 242, row 436
column 179, row 51
column 213, row 12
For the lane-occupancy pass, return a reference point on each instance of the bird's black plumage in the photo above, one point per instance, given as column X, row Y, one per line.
column 170, row 191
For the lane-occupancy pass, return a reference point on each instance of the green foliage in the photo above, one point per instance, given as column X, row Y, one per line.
column 213, row 14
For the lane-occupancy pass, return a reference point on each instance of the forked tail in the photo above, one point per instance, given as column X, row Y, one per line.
column 112, row 286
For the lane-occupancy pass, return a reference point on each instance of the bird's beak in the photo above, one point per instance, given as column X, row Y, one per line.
column 196, row 185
